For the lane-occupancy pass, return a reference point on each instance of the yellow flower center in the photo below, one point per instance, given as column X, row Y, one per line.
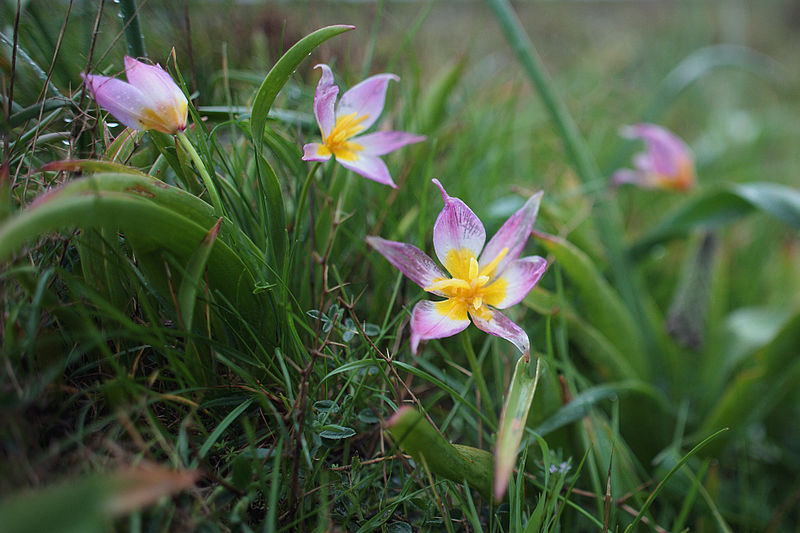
column 469, row 290
column 336, row 142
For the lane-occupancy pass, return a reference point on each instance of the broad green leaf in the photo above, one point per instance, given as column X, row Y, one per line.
column 513, row 422
column 581, row 404
column 87, row 505
column 166, row 229
column 414, row 434
column 91, row 166
column 723, row 206
column 759, row 387
column 600, row 303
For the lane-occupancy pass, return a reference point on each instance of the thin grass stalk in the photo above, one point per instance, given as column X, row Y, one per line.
column 608, row 221
column 477, row 373
column 133, row 30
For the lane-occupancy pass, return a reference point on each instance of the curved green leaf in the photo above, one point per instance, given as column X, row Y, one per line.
column 166, row 229
column 280, row 73
column 602, row 305
column 723, row 206
column 414, row 434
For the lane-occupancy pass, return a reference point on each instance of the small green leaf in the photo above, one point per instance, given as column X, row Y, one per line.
column 336, row 432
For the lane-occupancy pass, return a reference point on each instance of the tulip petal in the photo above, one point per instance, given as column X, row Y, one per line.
column 154, row 82
column 664, row 150
column 436, row 320
column 366, row 98
column 513, row 235
column 500, row 325
column 456, row 229
column 409, row 260
column 121, row 99
column 371, row 167
column 316, row 152
column 516, row 282
column 324, row 100
column 383, row 142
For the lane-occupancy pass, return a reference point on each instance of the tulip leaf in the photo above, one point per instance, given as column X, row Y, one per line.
column 601, row 304
column 581, row 404
column 413, row 433
column 513, row 422
column 166, row 229
column 280, row 73
column 723, row 206
column 759, row 387
column 91, row 166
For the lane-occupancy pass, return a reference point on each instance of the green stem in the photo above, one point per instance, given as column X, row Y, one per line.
column 301, row 204
column 609, row 223
column 133, row 31
column 201, row 168
column 477, row 373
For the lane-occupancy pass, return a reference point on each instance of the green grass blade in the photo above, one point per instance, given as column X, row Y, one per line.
column 129, row 13
column 222, row 426
column 669, row 475
column 193, row 277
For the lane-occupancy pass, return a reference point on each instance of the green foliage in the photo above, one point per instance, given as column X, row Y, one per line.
column 208, row 302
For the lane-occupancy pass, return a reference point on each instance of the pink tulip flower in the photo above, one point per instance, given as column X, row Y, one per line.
column 666, row 163
column 149, row 100
column 358, row 109
column 482, row 279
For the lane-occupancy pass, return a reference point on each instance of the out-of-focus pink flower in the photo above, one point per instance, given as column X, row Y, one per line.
column 482, row 279
column 149, row 100
column 340, row 124
column 666, row 162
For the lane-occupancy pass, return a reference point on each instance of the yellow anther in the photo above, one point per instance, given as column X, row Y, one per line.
column 477, row 302
column 473, row 268
column 446, row 285
column 488, row 270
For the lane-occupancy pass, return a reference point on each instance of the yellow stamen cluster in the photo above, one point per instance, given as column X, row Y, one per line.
column 336, row 142
column 469, row 288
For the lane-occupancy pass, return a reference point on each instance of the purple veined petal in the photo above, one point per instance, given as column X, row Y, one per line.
column 500, row 325
column 366, row 98
column 371, row 167
column 456, row 229
column 324, row 100
column 436, row 320
column 316, row 152
column 513, row 235
column 664, row 150
column 516, row 282
column 155, row 83
column 409, row 260
column 383, row 142
column 121, row 99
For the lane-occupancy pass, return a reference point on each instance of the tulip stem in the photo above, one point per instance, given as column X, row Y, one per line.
column 477, row 373
column 301, row 204
column 201, row 168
